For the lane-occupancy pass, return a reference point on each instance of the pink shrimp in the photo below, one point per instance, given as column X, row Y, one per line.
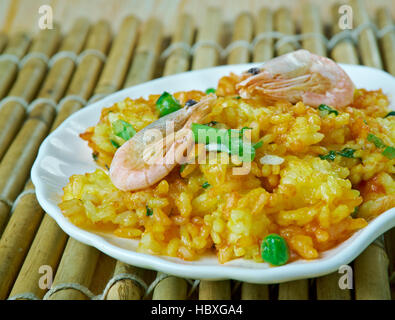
column 299, row 76
column 139, row 163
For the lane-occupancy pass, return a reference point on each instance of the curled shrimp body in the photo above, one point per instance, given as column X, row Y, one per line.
column 140, row 163
column 299, row 76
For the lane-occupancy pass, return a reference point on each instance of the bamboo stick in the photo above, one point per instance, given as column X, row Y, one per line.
column 171, row 288
column 144, row 62
column 103, row 273
column 214, row 290
column 61, row 72
column 4, row 212
column 28, row 82
column 16, row 165
column 87, row 73
column 127, row 289
column 283, row 23
column 17, row 47
column 389, row 238
column 327, row 288
column 207, row 56
column 46, row 250
column 251, row 291
column 17, row 238
column 243, row 31
column 263, row 50
column 43, row 252
column 179, row 60
column 118, row 61
column 311, row 23
column 367, row 40
column 17, row 162
column 371, row 274
column 344, row 51
column 294, row 290
column 77, row 266
column 3, row 41
column 388, row 40
column 82, row 85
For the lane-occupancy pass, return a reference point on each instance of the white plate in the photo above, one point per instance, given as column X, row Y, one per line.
column 63, row 154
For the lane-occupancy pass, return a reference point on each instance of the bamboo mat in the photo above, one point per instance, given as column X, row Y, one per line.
column 45, row 77
column 21, row 15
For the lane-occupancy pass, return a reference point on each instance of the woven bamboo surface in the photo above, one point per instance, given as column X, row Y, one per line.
column 48, row 75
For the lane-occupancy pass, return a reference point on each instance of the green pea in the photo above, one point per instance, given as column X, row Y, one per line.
column 211, row 90
column 274, row 249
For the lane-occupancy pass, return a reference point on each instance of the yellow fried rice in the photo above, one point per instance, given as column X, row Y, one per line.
column 314, row 204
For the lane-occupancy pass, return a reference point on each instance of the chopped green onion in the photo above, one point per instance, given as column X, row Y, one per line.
column 355, row 212
column 114, row 143
column 392, row 113
column 95, row 156
column 167, row 104
column 330, row 156
column 376, row 140
column 205, row 185
column 237, row 97
column 258, row 145
column 196, row 128
column 389, row 152
column 182, row 167
column 324, row 107
column 123, row 129
column 229, row 141
column 150, row 212
column 211, row 90
column 347, row 153
column 274, row 249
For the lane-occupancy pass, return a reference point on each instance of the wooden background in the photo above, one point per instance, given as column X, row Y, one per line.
column 22, row 15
